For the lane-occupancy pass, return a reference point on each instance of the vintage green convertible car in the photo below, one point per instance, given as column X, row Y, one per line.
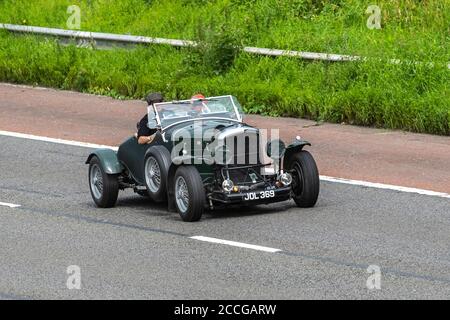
column 205, row 156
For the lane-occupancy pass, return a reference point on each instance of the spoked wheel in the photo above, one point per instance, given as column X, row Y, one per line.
column 305, row 183
column 189, row 193
column 156, row 175
column 96, row 181
column 181, row 194
column 152, row 175
column 104, row 187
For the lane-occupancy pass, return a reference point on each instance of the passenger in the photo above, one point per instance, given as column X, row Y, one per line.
column 145, row 135
column 199, row 105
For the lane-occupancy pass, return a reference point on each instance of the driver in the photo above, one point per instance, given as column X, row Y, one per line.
column 145, row 135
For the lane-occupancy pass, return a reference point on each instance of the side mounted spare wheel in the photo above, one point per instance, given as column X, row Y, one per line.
column 104, row 187
column 305, row 182
column 189, row 193
column 156, row 167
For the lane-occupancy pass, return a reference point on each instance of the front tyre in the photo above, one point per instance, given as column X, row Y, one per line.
column 104, row 187
column 306, row 182
column 189, row 193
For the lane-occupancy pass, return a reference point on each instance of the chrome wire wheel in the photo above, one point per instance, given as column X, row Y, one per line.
column 152, row 174
column 181, row 194
column 96, row 180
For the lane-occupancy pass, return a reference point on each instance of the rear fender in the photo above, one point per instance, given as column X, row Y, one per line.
column 108, row 160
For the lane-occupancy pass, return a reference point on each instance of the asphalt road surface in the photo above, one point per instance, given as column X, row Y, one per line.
column 139, row 250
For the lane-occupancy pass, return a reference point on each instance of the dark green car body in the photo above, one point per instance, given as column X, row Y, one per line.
column 127, row 167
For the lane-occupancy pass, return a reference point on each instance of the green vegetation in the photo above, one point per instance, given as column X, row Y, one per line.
column 376, row 92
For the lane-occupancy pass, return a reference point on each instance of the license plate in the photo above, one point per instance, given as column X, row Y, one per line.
column 259, row 195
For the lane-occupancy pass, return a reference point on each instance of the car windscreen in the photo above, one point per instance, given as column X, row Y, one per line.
column 226, row 107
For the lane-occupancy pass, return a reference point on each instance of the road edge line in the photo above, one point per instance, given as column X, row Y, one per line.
column 55, row 140
column 376, row 185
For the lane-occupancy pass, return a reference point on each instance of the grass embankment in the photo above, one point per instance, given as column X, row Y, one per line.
column 407, row 96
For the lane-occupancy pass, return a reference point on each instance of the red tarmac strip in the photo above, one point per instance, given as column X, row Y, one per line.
column 374, row 155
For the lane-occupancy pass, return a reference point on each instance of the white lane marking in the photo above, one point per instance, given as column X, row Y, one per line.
column 53, row 140
column 386, row 187
column 323, row 178
column 236, row 244
column 11, row 205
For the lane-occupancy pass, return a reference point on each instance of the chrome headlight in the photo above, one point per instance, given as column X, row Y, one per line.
column 286, row 179
column 227, row 185
column 275, row 149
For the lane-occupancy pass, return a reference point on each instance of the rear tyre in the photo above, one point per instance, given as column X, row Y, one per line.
column 189, row 193
column 155, row 167
column 104, row 187
column 306, row 183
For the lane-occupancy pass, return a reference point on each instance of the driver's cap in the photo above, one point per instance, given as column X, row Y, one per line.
column 155, row 97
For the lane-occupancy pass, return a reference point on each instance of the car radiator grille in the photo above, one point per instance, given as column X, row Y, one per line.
column 244, row 149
